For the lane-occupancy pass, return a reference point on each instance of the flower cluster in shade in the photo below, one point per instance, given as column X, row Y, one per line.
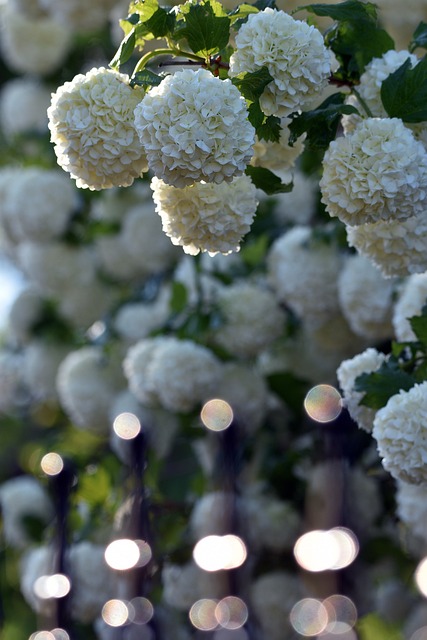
column 151, row 366
column 400, row 432
column 92, row 127
column 205, row 216
column 194, row 127
column 411, row 299
column 294, row 54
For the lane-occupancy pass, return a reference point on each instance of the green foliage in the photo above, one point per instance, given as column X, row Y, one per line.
column 125, row 50
column 251, row 86
column 153, row 20
column 289, row 388
column 419, row 326
column 379, row 386
column 267, row 181
column 351, row 10
column 419, row 39
column 404, row 92
column 320, row 124
column 253, row 253
column 372, row 627
column 179, row 297
column 207, row 27
column 95, row 486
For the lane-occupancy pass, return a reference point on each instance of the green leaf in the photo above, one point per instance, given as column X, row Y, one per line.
column 404, row 92
column 179, row 297
column 95, row 487
column 419, row 326
column 146, row 78
column 241, row 12
column 124, row 51
column 154, row 21
column 419, row 39
column 290, row 388
column 270, row 129
column 252, row 85
column 372, row 627
column 267, row 181
column 380, row 385
column 207, row 27
column 352, row 10
column 255, row 115
column 320, row 124
column 253, row 253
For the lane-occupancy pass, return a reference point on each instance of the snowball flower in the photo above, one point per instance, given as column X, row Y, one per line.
column 177, row 374
column 195, row 127
column 400, row 429
column 135, row 320
column 294, row 54
column 303, row 274
column 397, row 248
column 273, row 596
column 411, row 300
column 366, row 298
column 252, row 319
column 411, row 507
column 206, row 216
column 23, row 497
column 278, row 156
column 41, row 361
column 23, row 106
column 92, row 128
column 367, row 362
column 378, row 173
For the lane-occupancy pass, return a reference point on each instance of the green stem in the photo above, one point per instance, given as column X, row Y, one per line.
column 363, row 103
column 165, row 52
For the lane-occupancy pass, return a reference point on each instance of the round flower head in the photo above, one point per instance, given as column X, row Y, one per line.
column 91, row 125
column 294, row 54
column 23, row 105
column 204, row 216
column 378, row 173
column 400, row 429
column 195, row 127
column 396, row 248
column 412, row 298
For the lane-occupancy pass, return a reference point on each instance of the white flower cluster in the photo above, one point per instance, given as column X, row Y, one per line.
column 151, row 367
column 41, row 361
column 378, row 173
column 411, row 300
column 23, row 105
column 366, row 298
column 278, row 156
column 400, row 429
column 299, row 205
column 92, row 127
column 411, row 507
column 252, row 319
column 304, row 274
column 80, row 15
column 135, row 320
column 205, row 216
column 294, row 54
column 194, row 127
column 367, row 362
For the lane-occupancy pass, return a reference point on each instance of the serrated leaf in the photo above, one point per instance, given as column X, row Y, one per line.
column 252, row 85
column 419, row 39
column 270, row 129
column 267, row 181
column 146, row 78
column 124, row 51
column 255, row 115
column 404, row 92
column 207, row 27
column 154, row 21
column 380, row 385
column 179, row 297
column 344, row 11
column 320, row 124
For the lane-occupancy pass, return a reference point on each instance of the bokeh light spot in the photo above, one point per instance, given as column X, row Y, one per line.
column 320, row 550
column 42, row 635
column 421, row 577
column 142, row 610
column 126, row 554
column 342, row 614
column 231, row 612
column 419, row 634
column 60, row 634
column 202, row 614
column 323, row 403
column 115, row 613
column 214, row 553
column 53, row 586
column 347, row 635
column 52, row 464
column 309, row 617
column 127, row 425
column 348, row 546
column 216, row 415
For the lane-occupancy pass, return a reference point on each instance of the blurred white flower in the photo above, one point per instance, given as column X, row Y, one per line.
column 273, row 596
column 278, row 156
column 23, row 105
column 294, row 54
column 194, row 127
column 23, row 497
column 400, row 432
column 92, row 128
column 299, row 205
column 411, row 507
column 151, row 367
column 411, row 299
column 135, row 320
column 366, row 298
column 378, row 173
column 183, row 585
column 12, row 388
column 367, row 362
column 24, row 314
column 41, row 361
column 79, row 15
column 206, row 216
column 397, row 248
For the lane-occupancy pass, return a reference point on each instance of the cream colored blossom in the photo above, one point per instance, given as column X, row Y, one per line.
column 378, row 173
column 205, row 216
column 92, row 128
column 194, row 127
column 366, row 298
column 278, row 156
column 397, row 248
column 400, row 429
column 412, row 298
column 252, row 319
column 23, row 105
column 367, row 362
column 135, row 320
column 299, row 205
column 294, row 54
column 152, row 365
